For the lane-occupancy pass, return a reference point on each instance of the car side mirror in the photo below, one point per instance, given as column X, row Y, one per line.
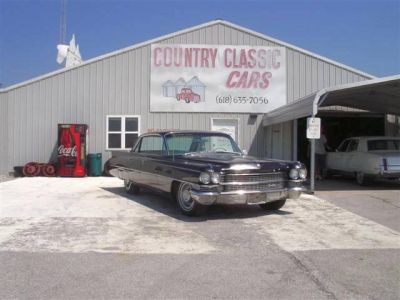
column 244, row 152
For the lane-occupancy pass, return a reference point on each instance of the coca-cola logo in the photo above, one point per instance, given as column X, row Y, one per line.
column 67, row 151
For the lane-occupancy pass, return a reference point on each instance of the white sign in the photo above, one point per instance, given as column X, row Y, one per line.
column 313, row 128
column 211, row 78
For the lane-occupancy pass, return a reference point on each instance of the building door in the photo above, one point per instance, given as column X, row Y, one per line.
column 229, row 126
column 277, row 141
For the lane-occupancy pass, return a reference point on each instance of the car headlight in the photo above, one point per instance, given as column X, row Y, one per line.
column 294, row 174
column 204, row 178
column 215, row 178
column 302, row 173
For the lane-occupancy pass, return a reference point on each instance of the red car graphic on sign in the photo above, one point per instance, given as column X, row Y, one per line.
column 188, row 95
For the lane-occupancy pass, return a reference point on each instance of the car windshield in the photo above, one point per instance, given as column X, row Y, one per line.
column 383, row 145
column 193, row 143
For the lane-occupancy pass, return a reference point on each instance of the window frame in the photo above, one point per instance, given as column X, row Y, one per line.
column 122, row 132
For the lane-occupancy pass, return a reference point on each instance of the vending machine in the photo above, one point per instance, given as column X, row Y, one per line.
column 72, row 150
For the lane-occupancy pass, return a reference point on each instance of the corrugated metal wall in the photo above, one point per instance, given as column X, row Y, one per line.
column 3, row 133
column 307, row 75
column 392, row 125
column 120, row 84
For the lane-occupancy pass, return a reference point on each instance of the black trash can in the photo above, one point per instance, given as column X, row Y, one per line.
column 94, row 164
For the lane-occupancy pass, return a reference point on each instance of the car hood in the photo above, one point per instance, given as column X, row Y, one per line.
column 232, row 161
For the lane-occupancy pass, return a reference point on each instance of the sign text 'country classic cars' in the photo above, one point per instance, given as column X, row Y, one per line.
column 198, row 78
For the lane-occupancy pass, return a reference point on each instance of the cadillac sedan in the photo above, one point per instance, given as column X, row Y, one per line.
column 204, row 168
column 366, row 158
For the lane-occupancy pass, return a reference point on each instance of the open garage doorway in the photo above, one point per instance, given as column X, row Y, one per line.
column 371, row 100
column 337, row 127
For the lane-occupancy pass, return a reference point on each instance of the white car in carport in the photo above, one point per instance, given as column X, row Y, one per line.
column 366, row 158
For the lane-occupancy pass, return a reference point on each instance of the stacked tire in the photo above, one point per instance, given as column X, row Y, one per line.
column 38, row 169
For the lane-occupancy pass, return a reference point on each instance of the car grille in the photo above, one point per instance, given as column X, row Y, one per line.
column 255, row 177
column 262, row 181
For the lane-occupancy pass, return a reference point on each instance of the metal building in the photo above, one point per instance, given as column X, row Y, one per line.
column 116, row 88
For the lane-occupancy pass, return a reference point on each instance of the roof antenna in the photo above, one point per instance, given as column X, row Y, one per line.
column 63, row 22
column 70, row 53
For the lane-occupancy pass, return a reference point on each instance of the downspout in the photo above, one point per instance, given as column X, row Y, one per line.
column 319, row 98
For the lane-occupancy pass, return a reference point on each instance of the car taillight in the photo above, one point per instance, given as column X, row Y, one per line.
column 385, row 164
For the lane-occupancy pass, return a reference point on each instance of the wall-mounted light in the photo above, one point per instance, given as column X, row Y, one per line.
column 252, row 119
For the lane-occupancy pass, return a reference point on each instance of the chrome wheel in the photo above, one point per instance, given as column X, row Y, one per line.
column 185, row 201
column 130, row 187
column 360, row 178
column 128, row 184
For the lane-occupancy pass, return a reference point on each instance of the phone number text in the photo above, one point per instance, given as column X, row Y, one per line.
column 240, row 100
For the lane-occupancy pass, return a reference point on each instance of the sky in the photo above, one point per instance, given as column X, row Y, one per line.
column 363, row 34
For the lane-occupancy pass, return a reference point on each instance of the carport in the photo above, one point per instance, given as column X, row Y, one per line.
column 381, row 95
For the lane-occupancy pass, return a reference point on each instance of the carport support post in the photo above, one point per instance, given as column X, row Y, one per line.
column 312, row 167
column 319, row 98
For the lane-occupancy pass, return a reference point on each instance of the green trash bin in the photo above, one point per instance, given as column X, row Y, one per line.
column 94, row 164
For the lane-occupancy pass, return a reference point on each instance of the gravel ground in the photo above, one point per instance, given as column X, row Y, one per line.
column 85, row 238
column 4, row 178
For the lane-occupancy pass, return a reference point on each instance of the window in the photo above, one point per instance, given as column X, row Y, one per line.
column 122, row 132
column 152, row 145
column 343, row 146
column 181, row 143
column 353, row 145
column 385, row 145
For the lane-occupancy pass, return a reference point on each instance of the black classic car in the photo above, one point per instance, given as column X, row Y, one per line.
column 203, row 168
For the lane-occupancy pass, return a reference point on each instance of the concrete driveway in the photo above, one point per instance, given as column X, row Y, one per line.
column 379, row 201
column 85, row 238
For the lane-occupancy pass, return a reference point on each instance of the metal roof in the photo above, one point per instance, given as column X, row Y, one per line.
column 164, row 37
column 381, row 95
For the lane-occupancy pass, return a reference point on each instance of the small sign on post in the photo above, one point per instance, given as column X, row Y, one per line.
column 313, row 128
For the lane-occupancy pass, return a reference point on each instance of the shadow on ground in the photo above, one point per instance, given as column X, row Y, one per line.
column 165, row 205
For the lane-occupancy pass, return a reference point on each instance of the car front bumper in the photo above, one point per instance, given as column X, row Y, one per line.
column 245, row 197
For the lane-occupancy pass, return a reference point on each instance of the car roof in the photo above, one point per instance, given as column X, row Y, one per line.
column 374, row 138
column 161, row 132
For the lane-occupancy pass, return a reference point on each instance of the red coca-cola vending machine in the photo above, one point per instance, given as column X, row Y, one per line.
column 72, row 148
